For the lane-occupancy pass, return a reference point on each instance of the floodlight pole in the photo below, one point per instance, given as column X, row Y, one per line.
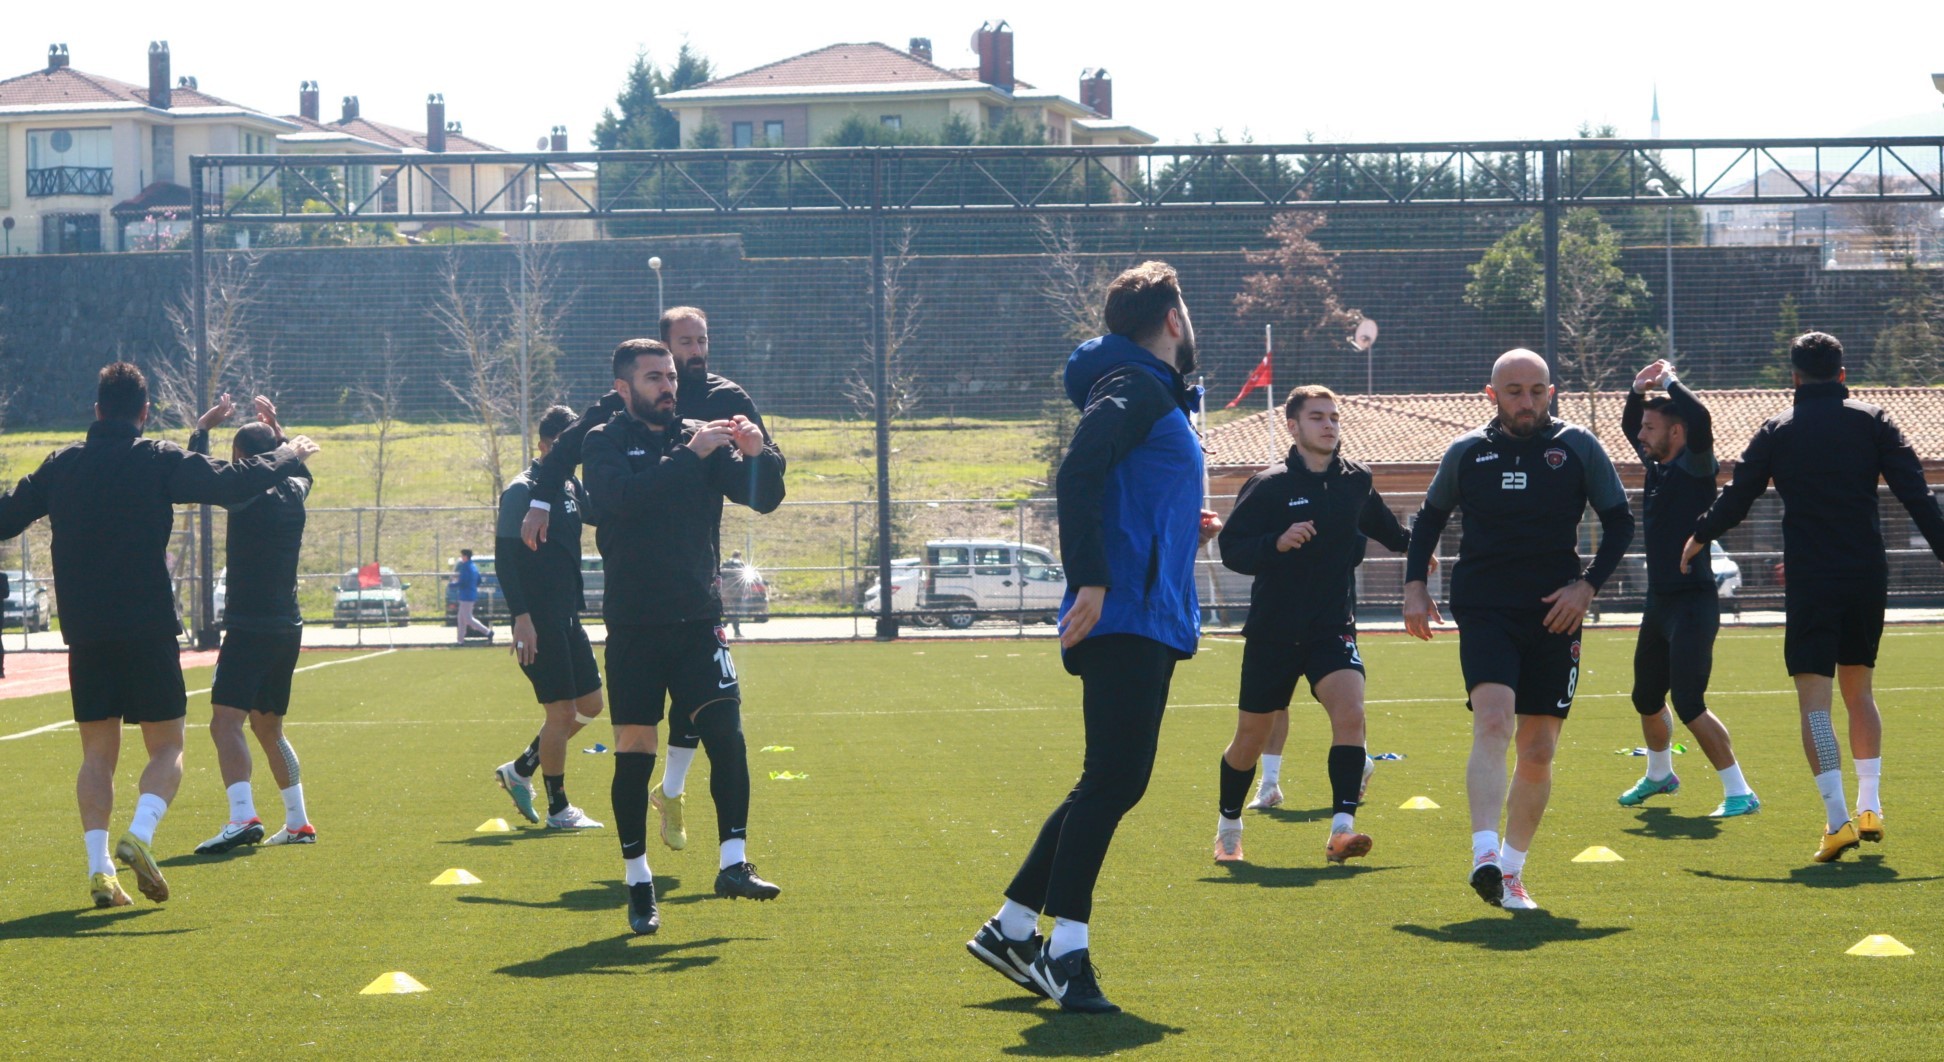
column 1549, row 160
column 204, row 614
column 887, row 621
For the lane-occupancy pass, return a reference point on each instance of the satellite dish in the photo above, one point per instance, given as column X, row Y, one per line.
column 1366, row 335
column 540, row 144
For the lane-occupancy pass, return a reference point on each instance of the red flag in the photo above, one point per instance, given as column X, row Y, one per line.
column 1261, row 376
column 368, row 577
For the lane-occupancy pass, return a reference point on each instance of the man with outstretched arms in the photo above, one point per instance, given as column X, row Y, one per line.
column 1519, row 593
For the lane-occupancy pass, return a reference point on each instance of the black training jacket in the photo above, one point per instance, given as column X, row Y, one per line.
column 1676, row 493
column 657, row 510
column 1522, row 500
column 545, row 583
column 263, row 540
column 1310, row 590
column 111, row 502
column 1825, row 454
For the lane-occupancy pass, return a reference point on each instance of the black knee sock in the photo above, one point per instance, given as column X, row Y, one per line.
column 1346, row 777
column 1235, row 789
column 528, row 761
column 632, row 771
column 556, row 793
column 722, row 739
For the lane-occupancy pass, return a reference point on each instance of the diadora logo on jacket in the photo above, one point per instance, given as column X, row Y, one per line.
column 637, row 452
column 1299, row 501
column 1489, row 455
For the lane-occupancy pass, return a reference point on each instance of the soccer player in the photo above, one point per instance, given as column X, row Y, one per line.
column 1825, row 454
column 466, row 574
column 111, row 502
column 544, row 596
column 263, row 631
column 1299, row 528
column 1131, row 521
column 1675, row 439
column 655, row 485
column 1519, row 594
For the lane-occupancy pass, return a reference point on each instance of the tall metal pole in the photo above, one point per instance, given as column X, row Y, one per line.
column 1669, row 240
column 887, row 621
column 526, row 354
column 205, row 612
column 1550, row 190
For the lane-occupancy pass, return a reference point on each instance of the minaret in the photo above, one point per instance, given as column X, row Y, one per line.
column 1656, row 126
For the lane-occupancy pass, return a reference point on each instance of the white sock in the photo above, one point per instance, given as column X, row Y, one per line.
column 99, row 861
column 1484, row 843
column 1017, row 921
column 732, row 852
column 1223, row 823
column 1068, row 935
column 675, row 770
column 637, row 871
column 1342, row 822
column 1660, row 764
column 1511, row 861
column 1830, row 785
column 148, row 815
column 1868, row 773
column 1732, row 783
column 1271, row 772
column 294, row 814
column 242, row 804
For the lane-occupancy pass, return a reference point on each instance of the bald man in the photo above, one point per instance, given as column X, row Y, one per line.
column 1518, row 592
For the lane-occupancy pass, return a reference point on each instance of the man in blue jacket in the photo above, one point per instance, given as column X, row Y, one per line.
column 466, row 574
column 1131, row 521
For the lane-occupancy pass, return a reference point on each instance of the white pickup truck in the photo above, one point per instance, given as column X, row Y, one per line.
column 960, row 581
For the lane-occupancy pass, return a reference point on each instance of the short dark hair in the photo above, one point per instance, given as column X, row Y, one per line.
column 1139, row 299
column 681, row 313
column 466, row 553
column 256, row 438
column 554, row 421
column 121, row 392
column 1665, row 407
column 1818, row 356
column 630, row 349
column 1293, row 405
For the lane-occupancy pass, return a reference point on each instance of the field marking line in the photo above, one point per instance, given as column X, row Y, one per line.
column 196, row 693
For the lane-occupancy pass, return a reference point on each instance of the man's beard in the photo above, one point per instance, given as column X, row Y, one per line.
column 651, row 413
column 693, row 370
column 1185, row 355
column 1513, row 427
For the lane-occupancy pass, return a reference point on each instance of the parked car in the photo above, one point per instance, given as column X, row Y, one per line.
column 1727, row 576
column 28, row 602
column 744, row 592
column 491, row 605
column 220, row 593
column 381, row 604
column 962, row 580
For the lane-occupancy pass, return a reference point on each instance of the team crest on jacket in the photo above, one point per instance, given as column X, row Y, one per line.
column 1555, row 457
column 1576, row 650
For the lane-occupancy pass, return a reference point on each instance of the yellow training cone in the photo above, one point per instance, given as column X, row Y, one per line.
column 396, row 983
column 1418, row 803
column 1880, row 945
column 1598, row 854
column 456, row 876
column 494, row 826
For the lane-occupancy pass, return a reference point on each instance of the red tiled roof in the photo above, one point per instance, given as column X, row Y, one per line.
column 840, row 64
column 162, row 197
column 1416, row 429
column 70, row 86
column 971, row 73
column 392, row 135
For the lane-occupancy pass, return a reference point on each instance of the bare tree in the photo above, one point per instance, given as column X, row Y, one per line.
column 488, row 388
column 539, row 301
column 903, row 309
column 1075, row 288
column 379, row 401
column 1892, row 226
column 232, row 297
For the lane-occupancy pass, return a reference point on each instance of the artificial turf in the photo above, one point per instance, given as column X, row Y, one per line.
column 926, row 769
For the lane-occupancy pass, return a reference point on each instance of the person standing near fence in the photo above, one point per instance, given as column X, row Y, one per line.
column 111, row 503
column 465, row 575
column 1131, row 523
column 1825, row 454
column 1674, row 656
column 263, row 632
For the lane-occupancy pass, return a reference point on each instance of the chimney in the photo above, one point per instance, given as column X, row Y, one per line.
column 994, row 44
column 307, row 99
column 350, row 109
column 435, row 123
column 158, row 94
column 57, row 57
column 921, row 48
column 557, row 141
column 1097, row 92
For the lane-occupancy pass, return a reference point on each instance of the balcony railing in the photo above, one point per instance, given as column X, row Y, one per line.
column 71, row 180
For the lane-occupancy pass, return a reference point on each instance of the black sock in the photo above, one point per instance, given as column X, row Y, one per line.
column 1235, row 789
column 528, row 761
column 722, row 740
column 556, row 793
column 1346, row 777
column 632, row 771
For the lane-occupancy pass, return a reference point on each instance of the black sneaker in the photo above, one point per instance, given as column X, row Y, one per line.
column 1070, row 980
column 1487, row 880
column 1014, row 958
column 643, row 918
column 740, row 881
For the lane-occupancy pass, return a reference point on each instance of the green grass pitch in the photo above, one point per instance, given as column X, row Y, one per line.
column 929, row 766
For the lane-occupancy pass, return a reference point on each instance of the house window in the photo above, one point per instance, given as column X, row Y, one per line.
column 70, row 162
column 70, row 233
column 162, row 146
column 891, row 121
column 773, row 132
column 742, row 134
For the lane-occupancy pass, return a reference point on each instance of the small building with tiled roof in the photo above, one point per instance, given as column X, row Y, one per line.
column 92, row 163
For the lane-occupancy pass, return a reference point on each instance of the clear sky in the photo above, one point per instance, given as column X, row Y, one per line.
column 1338, row 72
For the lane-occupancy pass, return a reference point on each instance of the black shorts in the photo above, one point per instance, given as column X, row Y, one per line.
column 1833, row 624
column 253, row 670
column 1270, row 668
column 683, row 665
column 136, row 681
column 1675, row 653
column 1512, row 647
column 563, row 666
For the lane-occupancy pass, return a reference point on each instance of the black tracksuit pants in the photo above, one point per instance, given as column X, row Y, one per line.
column 1124, row 678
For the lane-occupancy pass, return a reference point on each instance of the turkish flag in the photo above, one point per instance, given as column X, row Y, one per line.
column 368, row 577
column 1261, row 376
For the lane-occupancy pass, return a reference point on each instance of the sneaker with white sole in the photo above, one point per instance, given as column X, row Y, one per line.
column 520, row 789
column 305, row 834
column 1013, row 958
column 232, row 835
column 1516, row 897
column 571, row 818
column 1228, row 845
column 1267, row 797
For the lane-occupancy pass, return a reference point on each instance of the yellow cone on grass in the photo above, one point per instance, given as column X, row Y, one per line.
column 457, row 876
column 396, row 983
column 1880, row 945
column 494, row 826
column 1599, row 853
column 1418, row 803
